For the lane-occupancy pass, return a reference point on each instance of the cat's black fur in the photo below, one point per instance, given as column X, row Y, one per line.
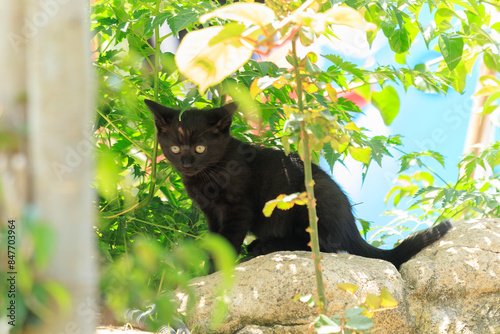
column 232, row 180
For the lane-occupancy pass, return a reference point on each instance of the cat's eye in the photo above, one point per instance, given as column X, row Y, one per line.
column 200, row 149
column 175, row 149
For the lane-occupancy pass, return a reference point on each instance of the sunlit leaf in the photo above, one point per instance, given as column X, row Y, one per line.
column 269, row 208
column 247, row 13
column 260, row 84
column 347, row 287
column 352, row 127
column 347, row 16
column 182, row 19
column 488, row 108
column 451, row 48
column 399, row 41
column 306, row 36
column 387, row 299
column 230, row 31
column 207, row 65
column 310, row 67
column 387, row 102
column 284, row 202
column 345, row 65
column 332, row 93
column 373, row 301
column 491, row 60
column 310, row 87
column 362, row 154
column 340, row 144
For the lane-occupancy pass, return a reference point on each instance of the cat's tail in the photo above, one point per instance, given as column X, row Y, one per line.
column 407, row 249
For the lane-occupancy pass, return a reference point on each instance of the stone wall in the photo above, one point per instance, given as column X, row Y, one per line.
column 452, row 286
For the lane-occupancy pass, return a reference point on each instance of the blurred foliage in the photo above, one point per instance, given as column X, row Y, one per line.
column 35, row 296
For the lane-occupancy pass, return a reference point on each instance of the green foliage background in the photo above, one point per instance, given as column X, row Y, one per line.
column 140, row 199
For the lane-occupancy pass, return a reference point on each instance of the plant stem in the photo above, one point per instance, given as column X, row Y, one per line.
column 309, row 184
column 156, row 86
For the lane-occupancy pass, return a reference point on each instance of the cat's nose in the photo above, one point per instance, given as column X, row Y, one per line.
column 187, row 163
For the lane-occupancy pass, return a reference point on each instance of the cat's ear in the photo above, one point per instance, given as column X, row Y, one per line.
column 164, row 116
column 225, row 117
column 230, row 108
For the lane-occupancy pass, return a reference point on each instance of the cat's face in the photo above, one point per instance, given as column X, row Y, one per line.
column 195, row 142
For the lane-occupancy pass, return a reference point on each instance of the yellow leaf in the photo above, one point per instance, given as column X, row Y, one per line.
column 260, row 84
column 310, row 88
column 352, row 127
column 247, row 13
column 207, row 65
column 373, row 301
column 362, row 154
column 487, row 91
column 340, row 144
column 332, row 93
column 284, row 202
column 387, row 299
column 280, row 83
column 254, row 89
column 269, row 208
column 346, row 16
column 347, row 287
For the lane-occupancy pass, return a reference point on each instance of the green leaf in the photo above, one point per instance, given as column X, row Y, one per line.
column 325, row 325
column 222, row 252
column 353, row 311
column 399, row 41
column 306, row 36
column 451, row 48
column 330, row 155
column 346, row 66
column 312, row 68
column 379, row 149
column 442, row 18
column 359, row 322
column 387, row 102
column 182, row 20
column 488, row 103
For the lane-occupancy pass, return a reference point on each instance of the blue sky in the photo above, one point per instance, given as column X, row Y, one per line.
column 427, row 121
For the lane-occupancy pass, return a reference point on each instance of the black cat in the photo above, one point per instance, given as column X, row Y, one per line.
column 231, row 181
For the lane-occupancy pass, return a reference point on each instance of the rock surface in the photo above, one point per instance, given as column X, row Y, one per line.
column 262, row 301
column 452, row 286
